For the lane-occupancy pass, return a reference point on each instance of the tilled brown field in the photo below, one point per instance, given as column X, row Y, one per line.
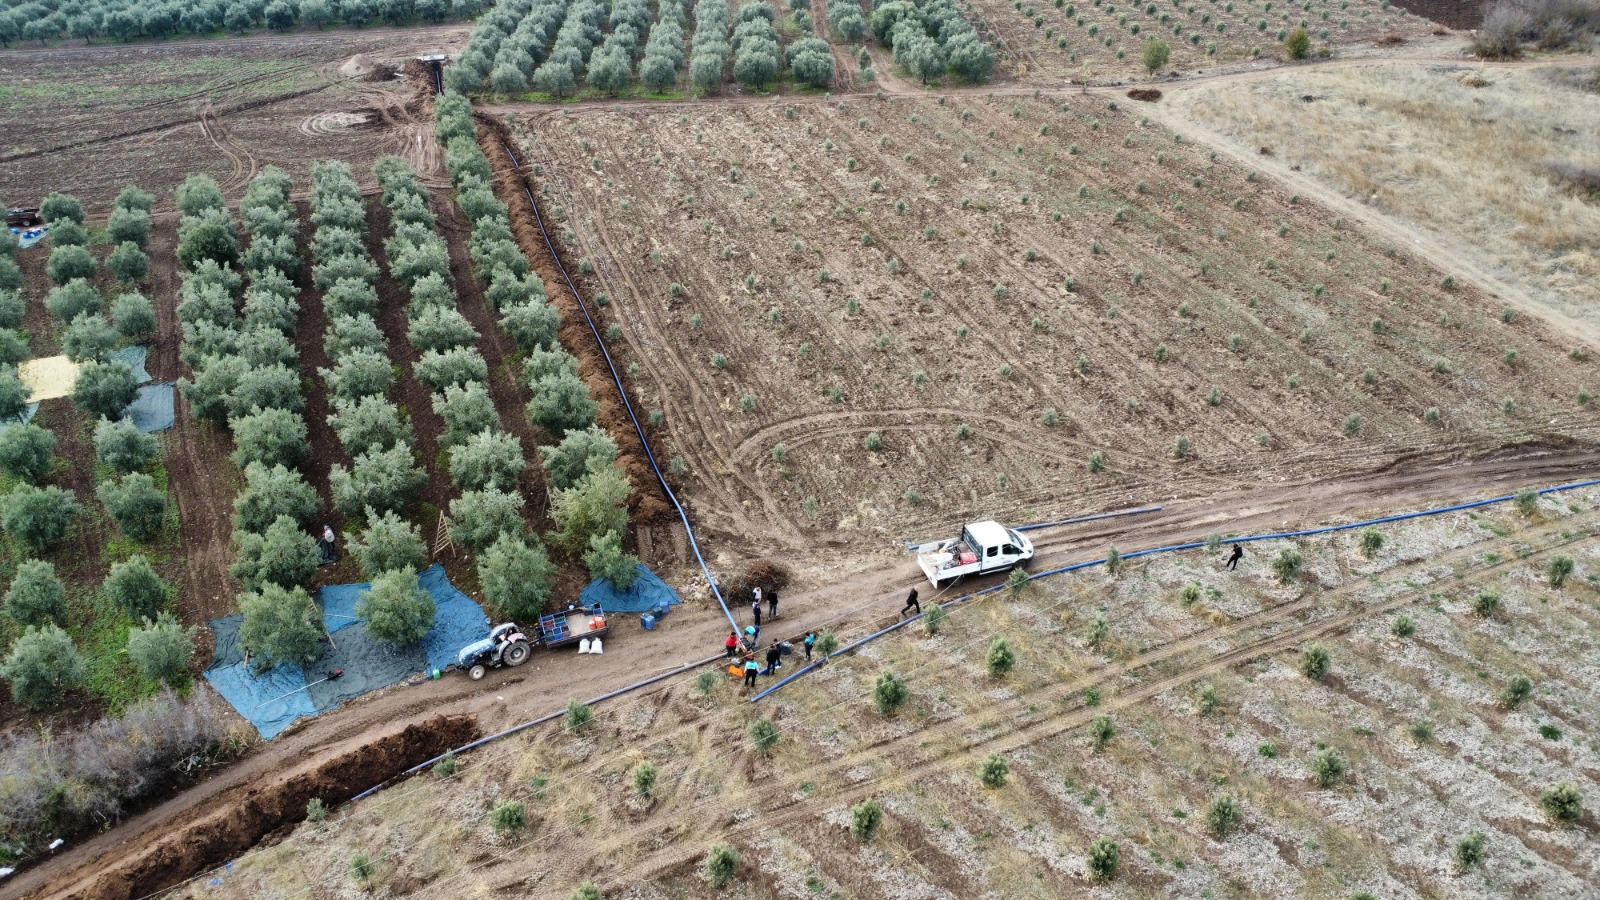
column 795, row 281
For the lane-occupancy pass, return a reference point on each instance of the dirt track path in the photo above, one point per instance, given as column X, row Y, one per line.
column 852, row 606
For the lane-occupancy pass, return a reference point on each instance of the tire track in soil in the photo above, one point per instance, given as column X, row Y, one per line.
column 1013, row 709
column 732, row 513
column 647, row 502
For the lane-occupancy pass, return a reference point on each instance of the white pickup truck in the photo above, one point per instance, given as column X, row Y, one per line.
column 983, row 547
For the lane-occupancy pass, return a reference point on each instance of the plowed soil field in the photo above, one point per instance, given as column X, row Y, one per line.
column 1026, row 305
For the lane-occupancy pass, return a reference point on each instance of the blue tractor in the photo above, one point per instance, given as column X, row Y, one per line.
column 506, row 645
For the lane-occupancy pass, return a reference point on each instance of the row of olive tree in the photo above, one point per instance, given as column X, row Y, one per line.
column 930, row 37
column 708, row 50
column 663, row 50
column 43, row 663
column 589, row 494
column 132, row 20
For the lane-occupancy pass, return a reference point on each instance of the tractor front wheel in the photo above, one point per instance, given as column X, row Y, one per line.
column 477, row 672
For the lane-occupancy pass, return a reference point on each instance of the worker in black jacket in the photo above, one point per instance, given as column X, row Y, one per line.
column 774, row 653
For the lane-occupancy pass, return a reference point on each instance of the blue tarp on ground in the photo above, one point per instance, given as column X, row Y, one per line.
column 457, row 622
column 647, row 594
column 339, row 604
column 134, row 356
column 270, row 700
column 368, row 664
column 152, row 409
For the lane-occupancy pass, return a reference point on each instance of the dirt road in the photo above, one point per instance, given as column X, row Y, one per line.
column 851, row 606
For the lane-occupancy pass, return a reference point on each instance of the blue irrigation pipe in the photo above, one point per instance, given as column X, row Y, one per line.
column 1094, row 518
column 623, row 392
column 533, row 722
column 1458, row 507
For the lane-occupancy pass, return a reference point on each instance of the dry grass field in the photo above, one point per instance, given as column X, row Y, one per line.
column 1498, row 160
column 1203, row 696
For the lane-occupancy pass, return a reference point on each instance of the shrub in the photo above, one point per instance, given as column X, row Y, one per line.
column 388, row 544
column 1315, row 662
column 932, row 619
column 488, row 459
column 643, row 778
column 607, row 562
column 105, row 389
column 1298, row 44
column 1403, row 627
column 38, row 517
column 595, row 505
column 1516, row 690
column 827, row 643
column 381, row 480
column 1485, row 602
column 42, row 666
column 1469, row 851
column 864, row 819
column 1562, row 803
column 721, row 863
column 561, row 403
column 1287, row 565
column 994, row 770
column 284, row 555
column 515, row 574
column 362, row 866
column 1371, row 542
column 1558, row 570
column 160, row 650
column 269, row 438
column 764, row 734
column 1327, row 767
column 270, row 493
column 122, row 447
column 36, row 595
column 133, row 316
column 888, row 692
column 479, row 518
column 1421, row 731
column 316, row 810
column 1222, row 813
column 1000, row 658
column 69, row 263
column 397, row 609
column 1101, row 731
column 1103, row 858
column 578, row 715
column 280, row 626
column 1527, row 502
column 25, row 452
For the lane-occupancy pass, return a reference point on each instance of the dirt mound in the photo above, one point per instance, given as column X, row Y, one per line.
column 1393, row 39
column 225, row 833
column 764, row 574
column 648, row 504
column 1148, row 95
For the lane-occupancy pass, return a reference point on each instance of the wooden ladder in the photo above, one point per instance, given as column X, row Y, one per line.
column 441, row 539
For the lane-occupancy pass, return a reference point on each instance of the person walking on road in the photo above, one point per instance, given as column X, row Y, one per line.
column 732, row 644
column 911, row 603
column 772, row 605
column 1235, row 556
column 751, row 669
column 810, row 641
column 755, row 610
column 774, row 654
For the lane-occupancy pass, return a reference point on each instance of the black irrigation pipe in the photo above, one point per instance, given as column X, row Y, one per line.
column 621, row 390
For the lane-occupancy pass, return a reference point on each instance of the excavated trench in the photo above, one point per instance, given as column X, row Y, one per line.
column 222, row 834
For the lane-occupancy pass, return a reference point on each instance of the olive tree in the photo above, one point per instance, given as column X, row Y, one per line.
column 281, row 625
column 271, row 492
column 270, row 438
column 479, row 518
column 134, row 587
column 388, row 543
column 69, row 263
column 578, row 453
column 466, row 410
column 160, row 650
column 598, row 503
column 89, row 337
column 137, row 505
column 42, row 666
column 25, row 452
column 364, row 373
column 284, row 555
column 608, row 562
column 105, row 389
column 58, row 207
column 122, row 447
column 367, row 423
column 560, row 403
column 440, row 328
column 516, row 574
column 383, row 480
column 36, row 595
column 129, row 226
column 133, row 316
column 487, row 459
column 396, row 609
column 38, row 517
column 73, row 299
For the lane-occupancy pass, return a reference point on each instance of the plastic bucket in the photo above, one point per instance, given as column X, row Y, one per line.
column 648, row 621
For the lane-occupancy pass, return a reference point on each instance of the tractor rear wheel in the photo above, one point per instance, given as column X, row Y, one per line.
column 516, row 654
